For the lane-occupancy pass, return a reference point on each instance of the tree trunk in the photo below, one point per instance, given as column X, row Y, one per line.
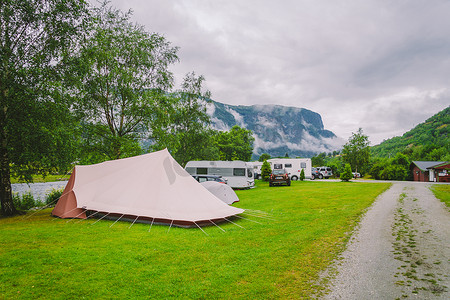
column 6, row 200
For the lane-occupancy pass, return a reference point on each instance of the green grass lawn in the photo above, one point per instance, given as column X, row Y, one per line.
column 305, row 227
column 442, row 192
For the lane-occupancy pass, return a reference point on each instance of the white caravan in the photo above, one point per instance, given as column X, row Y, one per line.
column 239, row 174
column 293, row 166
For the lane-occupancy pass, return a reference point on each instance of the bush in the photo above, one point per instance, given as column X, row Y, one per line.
column 53, row 196
column 302, row 175
column 25, row 202
column 347, row 174
column 265, row 171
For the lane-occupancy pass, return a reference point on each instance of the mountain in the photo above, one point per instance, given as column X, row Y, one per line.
column 277, row 129
column 432, row 134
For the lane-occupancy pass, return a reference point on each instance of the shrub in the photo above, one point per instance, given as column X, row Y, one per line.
column 53, row 196
column 265, row 171
column 302, row 175
column 26, row 201
column 347, row 174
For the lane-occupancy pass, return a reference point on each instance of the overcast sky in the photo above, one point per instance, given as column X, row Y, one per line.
column 381, row 65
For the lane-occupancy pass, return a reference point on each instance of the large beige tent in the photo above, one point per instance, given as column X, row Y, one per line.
column 151, row 187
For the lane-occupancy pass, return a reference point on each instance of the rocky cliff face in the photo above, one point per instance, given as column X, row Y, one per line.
column 277, row 129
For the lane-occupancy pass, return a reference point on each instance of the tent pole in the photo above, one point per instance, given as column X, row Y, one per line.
column 201, row 229
column 116, row 221
column 133, row 222
column 234, row 223
column 100, row 219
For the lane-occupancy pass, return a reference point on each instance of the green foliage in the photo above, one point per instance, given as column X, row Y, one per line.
column 52, row 197
column 302, row 175
column 428, row 141
column 346, row 175
column 303, row 229
column 264, row 157
column 186, row 129
column 35, row 115
column 26, row 201
column 122, row 72
column 236, row 144
column 356, row 151
column 266, row 170
column 396, row 168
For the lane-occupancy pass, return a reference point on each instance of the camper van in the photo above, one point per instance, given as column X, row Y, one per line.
column 293, row 166
column 239, row 174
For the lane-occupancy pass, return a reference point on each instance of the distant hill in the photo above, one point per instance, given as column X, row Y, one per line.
column 277, row 129
column 433, row 132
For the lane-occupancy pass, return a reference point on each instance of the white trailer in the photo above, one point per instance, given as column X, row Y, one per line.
column 239, row 174
column 257, row 169
column 293, row 166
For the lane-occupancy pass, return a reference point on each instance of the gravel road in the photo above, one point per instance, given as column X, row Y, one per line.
column 401, row 249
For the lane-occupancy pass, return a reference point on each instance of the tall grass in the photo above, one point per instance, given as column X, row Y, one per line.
column 303, row 229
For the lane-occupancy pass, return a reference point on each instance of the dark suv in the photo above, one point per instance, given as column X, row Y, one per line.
column 279, row 177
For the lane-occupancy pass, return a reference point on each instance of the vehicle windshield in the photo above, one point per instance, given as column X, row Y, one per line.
column 279, row 172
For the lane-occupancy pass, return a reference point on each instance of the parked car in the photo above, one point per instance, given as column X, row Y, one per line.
column 325, row 172
column 279, row 177
column 203, row 178
column 314, row 173
column 356, row 175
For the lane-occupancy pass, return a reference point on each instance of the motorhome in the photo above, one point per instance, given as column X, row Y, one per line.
column 293, row 166
column 239, row 174
column 257, row 169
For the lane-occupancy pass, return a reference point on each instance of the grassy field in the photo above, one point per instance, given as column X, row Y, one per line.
column 304, row 227
column 442, row 192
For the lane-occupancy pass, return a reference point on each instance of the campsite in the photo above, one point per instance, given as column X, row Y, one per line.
column 278, row 247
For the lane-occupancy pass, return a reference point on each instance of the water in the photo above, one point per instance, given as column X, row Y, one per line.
column 38, row 190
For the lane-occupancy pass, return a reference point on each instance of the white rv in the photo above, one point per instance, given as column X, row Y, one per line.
column 239, row 174
column 293, row 166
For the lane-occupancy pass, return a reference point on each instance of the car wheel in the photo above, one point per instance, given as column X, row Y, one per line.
column 320, row 176
column 312, row 177
column 294, row 177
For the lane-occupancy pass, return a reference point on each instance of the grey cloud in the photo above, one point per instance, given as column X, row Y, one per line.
column 357, row 63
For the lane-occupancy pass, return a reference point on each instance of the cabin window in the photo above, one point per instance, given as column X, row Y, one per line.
column 277, row 166
column 202, row 171
column 303, row 165
column 190, row 170
column 239, row 172
column 288, row 165
column 221, row 171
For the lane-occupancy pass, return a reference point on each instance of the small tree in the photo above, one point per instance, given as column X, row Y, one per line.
column 347, row 174
column 302, row 175
column 356, row 151
column 265, row 171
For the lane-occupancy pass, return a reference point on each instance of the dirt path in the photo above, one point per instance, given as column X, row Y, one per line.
column 400, row 251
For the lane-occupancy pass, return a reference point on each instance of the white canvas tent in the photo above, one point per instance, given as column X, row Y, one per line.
column 222, row 191
column 151, row 187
